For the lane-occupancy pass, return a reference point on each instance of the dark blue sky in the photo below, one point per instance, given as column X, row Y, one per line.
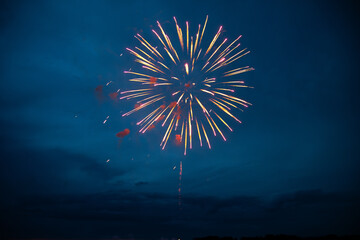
column 292, row 167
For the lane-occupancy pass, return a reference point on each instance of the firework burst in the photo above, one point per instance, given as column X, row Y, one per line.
column 188, row 89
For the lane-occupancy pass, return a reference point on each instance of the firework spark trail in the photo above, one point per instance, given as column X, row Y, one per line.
column 180, row 177
column 186, row 81
column 106, row 119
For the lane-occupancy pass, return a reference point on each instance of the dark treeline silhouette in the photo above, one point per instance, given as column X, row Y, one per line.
column 284, row 237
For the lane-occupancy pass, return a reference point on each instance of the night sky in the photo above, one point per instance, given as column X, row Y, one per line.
column 291, row 167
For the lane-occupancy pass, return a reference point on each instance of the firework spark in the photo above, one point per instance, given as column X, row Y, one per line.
column 184, row 83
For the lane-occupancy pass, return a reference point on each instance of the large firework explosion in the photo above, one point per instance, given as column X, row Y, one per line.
column 188, row 89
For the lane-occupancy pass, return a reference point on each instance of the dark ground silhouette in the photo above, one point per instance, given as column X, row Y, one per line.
column 284, row 237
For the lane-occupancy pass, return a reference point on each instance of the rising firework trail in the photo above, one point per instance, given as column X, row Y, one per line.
column 187, row 84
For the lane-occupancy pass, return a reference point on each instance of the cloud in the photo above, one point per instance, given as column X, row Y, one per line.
column 26, row 169
column 141, row 183
column 153, row 215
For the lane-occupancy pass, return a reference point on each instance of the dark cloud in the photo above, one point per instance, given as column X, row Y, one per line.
column 141, row 183
column 155, row 215
column 27, row 169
